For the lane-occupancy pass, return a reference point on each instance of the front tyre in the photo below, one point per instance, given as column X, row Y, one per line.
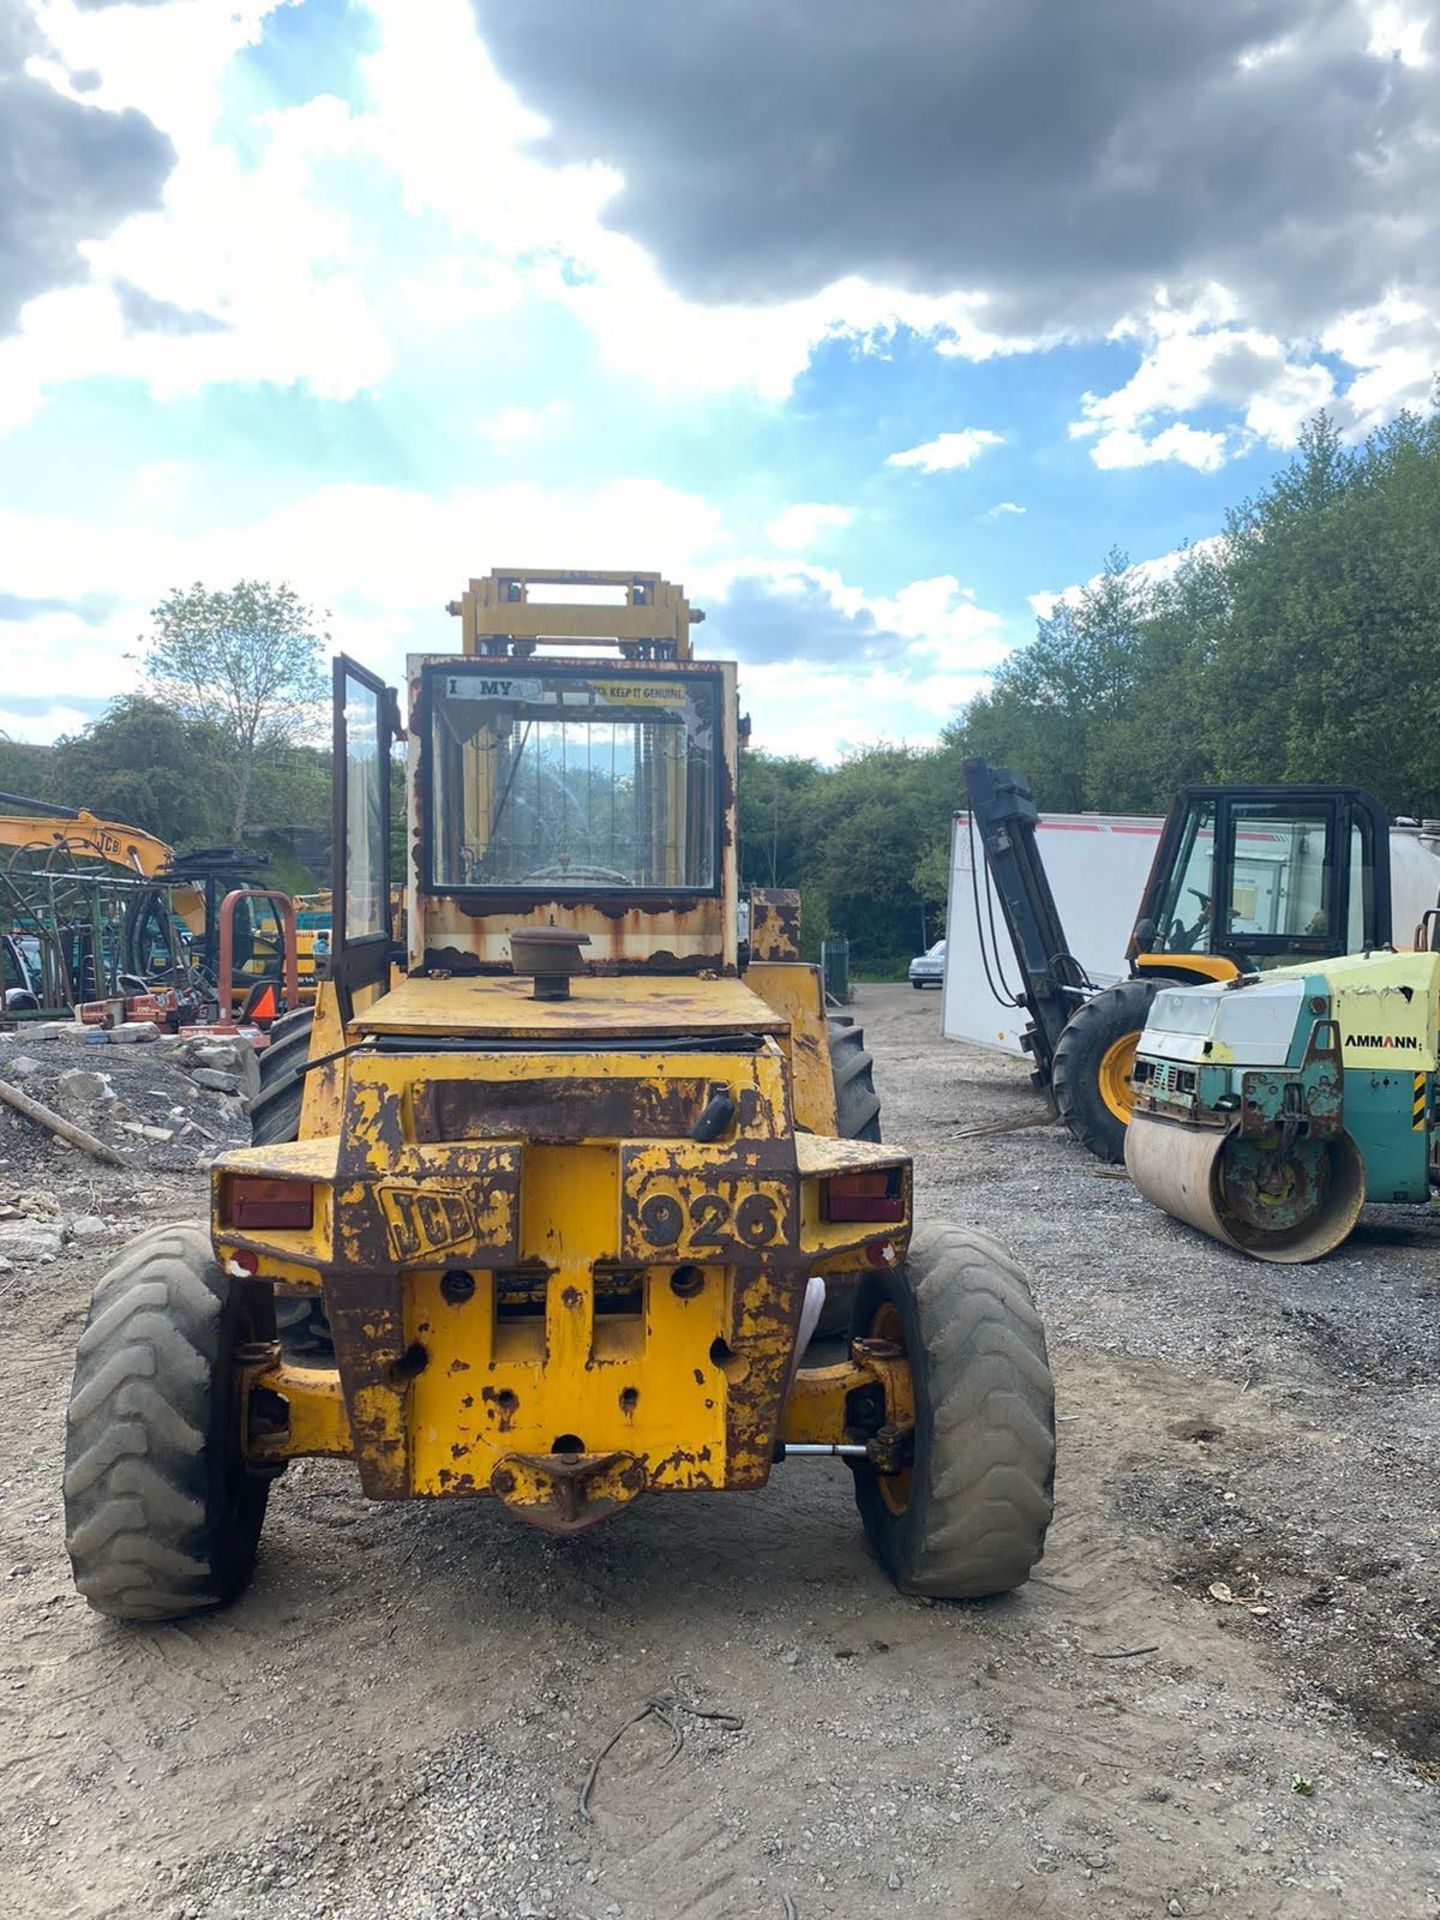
column 852, row 1069
column 275, row 1110
column 969, row 1517
column 1094, row 1058
column 162, row 1517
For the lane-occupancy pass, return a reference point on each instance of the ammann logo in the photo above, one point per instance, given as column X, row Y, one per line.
column 1406, row 1041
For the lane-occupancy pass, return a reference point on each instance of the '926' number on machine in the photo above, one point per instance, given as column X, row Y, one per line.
column 710, row 1220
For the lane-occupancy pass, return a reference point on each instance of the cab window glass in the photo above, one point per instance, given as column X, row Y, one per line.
column 1184, row 925
column 1361, row 917
column 606, row 780
column 1280, row 871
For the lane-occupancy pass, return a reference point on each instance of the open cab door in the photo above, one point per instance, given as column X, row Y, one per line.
column 366, row 724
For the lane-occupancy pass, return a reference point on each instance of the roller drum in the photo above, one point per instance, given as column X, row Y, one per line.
column 1289, row 1205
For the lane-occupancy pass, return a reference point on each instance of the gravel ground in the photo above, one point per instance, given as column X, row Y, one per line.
column 398, row 1719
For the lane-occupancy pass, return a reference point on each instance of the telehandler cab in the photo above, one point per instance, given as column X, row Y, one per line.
column 558, row 1192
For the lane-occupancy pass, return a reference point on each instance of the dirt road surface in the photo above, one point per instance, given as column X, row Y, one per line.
column 398, row 1718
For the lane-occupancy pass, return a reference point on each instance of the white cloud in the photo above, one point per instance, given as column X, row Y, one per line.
column 805, row 707
column 1164, row 566
column 802, row 526
column 1395, row 344
column 1196, row 356
column 273, row 227
column 283, row 227
column 1400, row 32
column 1002, row 510
column 42, row 728
column 947, row 451
column 384, row 560
column 257, row 245
column 1121, row 447
column 515, row 427
column 937, row 616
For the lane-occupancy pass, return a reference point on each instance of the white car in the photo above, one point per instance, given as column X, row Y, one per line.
column 928, row 968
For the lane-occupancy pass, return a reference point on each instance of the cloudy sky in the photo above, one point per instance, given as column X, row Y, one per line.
column 871, row 323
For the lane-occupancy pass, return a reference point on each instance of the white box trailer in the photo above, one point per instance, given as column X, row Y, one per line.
column 1097, row 864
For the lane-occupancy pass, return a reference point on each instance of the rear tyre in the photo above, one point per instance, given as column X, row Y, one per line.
column 857, row 1105
column 162, row 1516
column 1090, row 1074
column 275, row 1110
column 857, row 1117
column 969, row 1518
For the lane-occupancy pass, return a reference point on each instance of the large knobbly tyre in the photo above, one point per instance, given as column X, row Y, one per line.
column 857, row 1105
column 161, row 1516
column 969, row 1518
column 1093, row 1060
column 275, row 1110
column 857, row 1117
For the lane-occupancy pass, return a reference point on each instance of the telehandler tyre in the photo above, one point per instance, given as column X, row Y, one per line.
column 969, row 1517
column 1093, row 1059
column 857, row 1105
column 275, row 1110
column 162, row 1517
column 857, row 1117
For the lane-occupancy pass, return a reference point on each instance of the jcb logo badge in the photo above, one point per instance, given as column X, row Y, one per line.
column 426, row 1219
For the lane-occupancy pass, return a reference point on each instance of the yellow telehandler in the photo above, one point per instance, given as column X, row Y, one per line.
column 562, row 1202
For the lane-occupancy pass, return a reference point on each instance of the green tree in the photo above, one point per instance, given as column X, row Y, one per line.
column 1325, row 665
column 862, row 827
column 769, row 791
column 142, row 763
column 22, row 767
column 245, row 660
column 1302, row 645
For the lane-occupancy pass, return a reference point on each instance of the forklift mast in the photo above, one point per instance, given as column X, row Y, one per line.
column 1054, row 983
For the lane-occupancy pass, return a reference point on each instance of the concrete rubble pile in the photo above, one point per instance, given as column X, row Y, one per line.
column 160, row 1103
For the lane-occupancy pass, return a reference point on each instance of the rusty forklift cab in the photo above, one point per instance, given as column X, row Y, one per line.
column 569, row 1182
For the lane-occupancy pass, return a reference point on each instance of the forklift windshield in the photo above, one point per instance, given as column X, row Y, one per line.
column 551, row 776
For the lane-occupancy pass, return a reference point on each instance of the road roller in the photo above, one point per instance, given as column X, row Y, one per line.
column 1270, row 1109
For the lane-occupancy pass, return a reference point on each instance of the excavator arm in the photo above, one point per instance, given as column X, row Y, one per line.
column 43, row 829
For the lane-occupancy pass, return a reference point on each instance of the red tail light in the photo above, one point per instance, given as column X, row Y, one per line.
column 865, row 1196
column 252, row 1203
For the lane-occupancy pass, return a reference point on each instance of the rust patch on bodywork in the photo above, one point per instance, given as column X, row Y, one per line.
column 367, row 1323
column 774, row 923
column 556, row 1111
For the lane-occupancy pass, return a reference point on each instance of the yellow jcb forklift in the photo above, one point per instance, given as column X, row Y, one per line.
column 566, row 1200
